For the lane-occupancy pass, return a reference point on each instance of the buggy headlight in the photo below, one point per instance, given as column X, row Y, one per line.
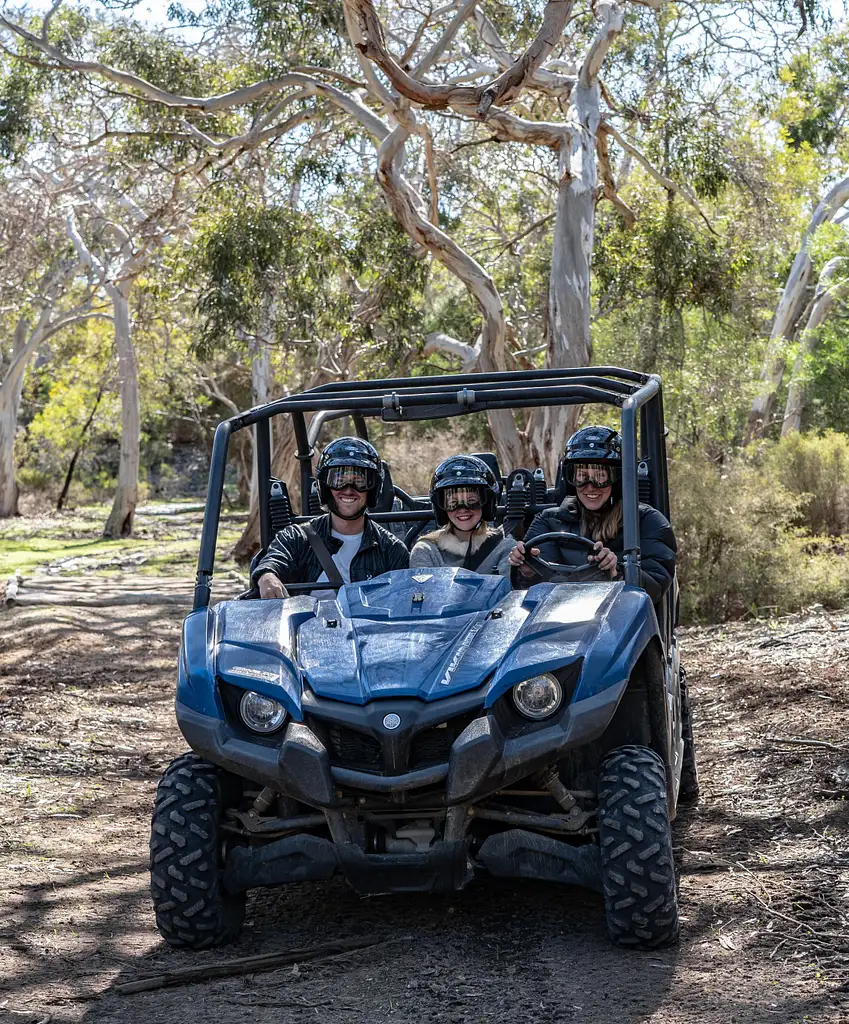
column 261, row 714
column 538, row 697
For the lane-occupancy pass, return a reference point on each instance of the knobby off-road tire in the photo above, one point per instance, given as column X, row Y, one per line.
column 193, row 909
column 688, row 792
column 638, row 872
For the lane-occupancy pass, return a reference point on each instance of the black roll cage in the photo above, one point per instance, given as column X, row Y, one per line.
column 418, row 398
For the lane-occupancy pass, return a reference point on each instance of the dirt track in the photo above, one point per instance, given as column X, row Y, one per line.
column 86, row 726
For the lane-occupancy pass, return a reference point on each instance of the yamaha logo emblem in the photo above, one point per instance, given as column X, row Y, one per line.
column 391, row 721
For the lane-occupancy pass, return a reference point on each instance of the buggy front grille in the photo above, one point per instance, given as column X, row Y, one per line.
column 360, row 751
column 433, row 746
column 352, row 749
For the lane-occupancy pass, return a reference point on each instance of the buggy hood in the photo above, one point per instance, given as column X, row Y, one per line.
column 428, row 634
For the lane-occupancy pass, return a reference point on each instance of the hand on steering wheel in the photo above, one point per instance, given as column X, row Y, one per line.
column 599, row 557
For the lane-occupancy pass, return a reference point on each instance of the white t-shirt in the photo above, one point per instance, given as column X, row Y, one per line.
column 343, row 558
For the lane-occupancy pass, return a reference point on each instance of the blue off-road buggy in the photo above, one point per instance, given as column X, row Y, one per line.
column 426, row 726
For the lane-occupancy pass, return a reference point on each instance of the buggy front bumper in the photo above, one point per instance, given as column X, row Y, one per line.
column 481, row 761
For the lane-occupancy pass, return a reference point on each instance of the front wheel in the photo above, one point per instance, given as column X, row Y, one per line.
column 193, row 909
column 635, row 838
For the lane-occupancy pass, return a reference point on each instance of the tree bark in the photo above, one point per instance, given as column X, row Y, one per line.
column 10, row 402
column 828, row 292
column 569, row 342
column 120, row 521
column 260, row 356
column 790, row 307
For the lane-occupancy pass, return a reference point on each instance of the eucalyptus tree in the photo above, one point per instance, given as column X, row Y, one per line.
column 317, row 298
column 400, row 89
column 396, row 104
column 813, row 113
column 43, row 290
column 125, row 179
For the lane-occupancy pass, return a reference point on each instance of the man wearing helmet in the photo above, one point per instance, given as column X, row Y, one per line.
column 463, row 495
column 349, row 477
column 592, row 468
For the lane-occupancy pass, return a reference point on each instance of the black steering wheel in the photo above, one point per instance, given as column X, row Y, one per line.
column 546, row 569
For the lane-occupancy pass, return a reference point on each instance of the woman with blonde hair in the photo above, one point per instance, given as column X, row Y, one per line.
column 592, row 467
column 463, row 493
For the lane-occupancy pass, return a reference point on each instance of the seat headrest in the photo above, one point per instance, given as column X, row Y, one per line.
column 491, row 460
column 386, row 494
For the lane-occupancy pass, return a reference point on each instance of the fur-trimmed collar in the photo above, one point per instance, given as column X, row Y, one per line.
column 447, row 540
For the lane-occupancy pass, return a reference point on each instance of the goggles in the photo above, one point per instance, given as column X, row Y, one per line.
column 451, row 499
column 338, row 478
column 581, row 474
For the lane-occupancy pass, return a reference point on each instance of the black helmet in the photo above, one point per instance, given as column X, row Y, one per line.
column 464, row 471
column 350, row 451
column 595, row 444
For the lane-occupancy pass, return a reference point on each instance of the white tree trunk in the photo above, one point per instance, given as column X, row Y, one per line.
column 569, row 342
column 790, row 307
column 10, row 401
column 120, row 522
column 260, row 356
column 828, row 292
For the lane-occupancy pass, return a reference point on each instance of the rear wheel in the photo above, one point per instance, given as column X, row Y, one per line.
column 635, row 838
column 187, row 846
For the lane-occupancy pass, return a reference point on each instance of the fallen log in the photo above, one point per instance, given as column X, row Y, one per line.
column 12, row 586
column 241, row 965
column 27, row 600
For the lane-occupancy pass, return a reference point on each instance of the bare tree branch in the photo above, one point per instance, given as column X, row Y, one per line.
column 608, row 184
column 439, row 342
column 610, row 27
column 660, row 178
column 445, row 39
column 438, row 97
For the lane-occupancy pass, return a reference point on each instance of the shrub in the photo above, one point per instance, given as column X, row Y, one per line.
column 741, row 551
column 815, row 469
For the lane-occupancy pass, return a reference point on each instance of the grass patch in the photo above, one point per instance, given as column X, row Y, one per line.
column 27, row 554
column 169, row 543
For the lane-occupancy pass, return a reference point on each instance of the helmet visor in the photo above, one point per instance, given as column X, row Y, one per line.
column 453, row 498
column 591, row 474
column 338, row 478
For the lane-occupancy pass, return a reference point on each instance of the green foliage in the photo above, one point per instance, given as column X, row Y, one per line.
column 740, row 552
column 157, row 59
column 246, row 256
column 812, row 108
column 669, row 257
column 284, row 32
column 826, row 378
column 18, row 110
column 814, row 469
column 271, row 271
column 692, row 148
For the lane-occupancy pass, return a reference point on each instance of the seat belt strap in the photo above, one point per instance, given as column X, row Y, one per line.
column 321, row 552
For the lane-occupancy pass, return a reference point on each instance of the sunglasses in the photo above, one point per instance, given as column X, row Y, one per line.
column 340, row 477
column 452, row 499
column 591, row 476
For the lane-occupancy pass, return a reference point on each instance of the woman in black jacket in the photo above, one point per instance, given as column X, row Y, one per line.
column 592, row 464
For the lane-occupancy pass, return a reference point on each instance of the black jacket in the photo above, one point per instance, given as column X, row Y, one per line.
column 657, row 543
column 291, row 558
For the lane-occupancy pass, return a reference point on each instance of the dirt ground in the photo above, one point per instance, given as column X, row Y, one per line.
column 86, row 726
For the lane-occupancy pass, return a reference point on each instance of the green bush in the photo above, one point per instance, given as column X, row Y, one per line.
column 30, row 478
column 815, row 469
column 741, row 551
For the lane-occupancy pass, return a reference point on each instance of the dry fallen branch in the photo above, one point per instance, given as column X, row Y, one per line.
column 801, row 742
column 12, row 587
column 241, row 965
